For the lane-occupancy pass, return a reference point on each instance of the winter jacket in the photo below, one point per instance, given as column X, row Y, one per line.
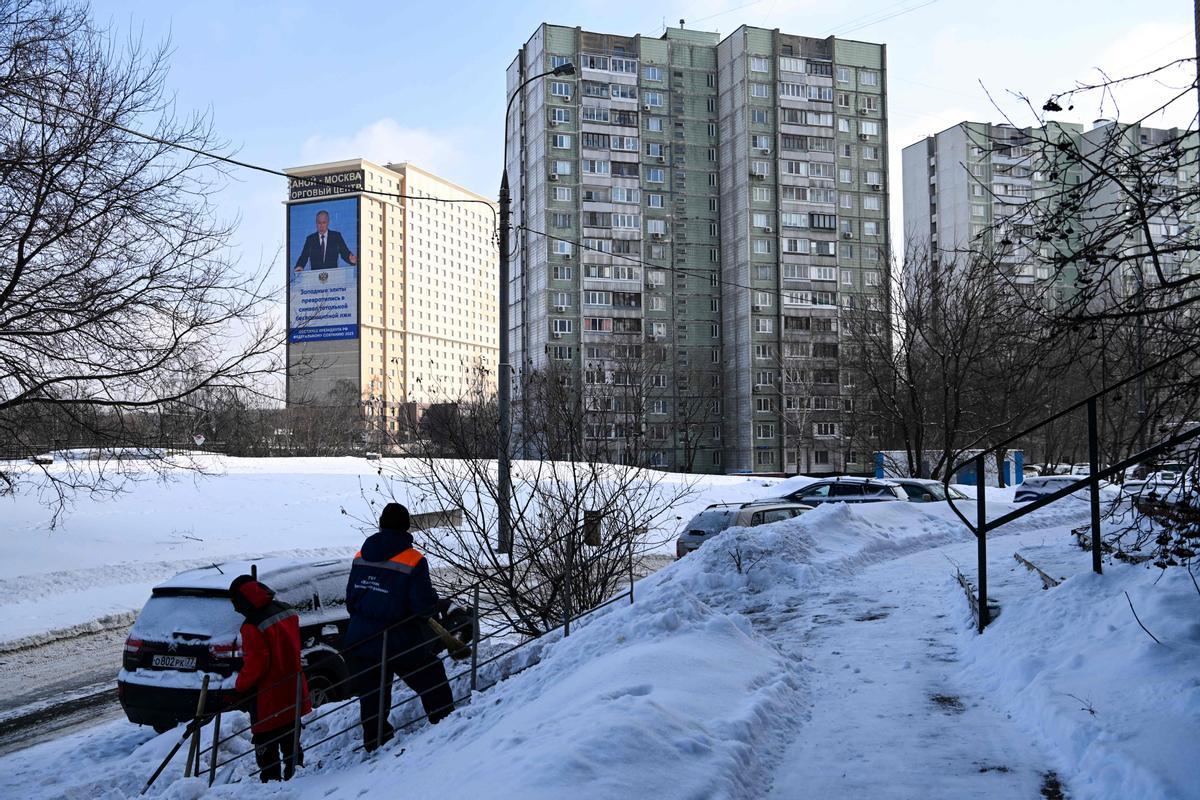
column 389, row 584
column 270, row 639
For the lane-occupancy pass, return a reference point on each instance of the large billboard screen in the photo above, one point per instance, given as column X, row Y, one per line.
column 323, row 270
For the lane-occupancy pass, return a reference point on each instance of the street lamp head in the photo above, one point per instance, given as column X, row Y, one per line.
column 564, row 69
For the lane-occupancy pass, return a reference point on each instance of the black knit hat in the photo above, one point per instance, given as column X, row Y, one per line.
column 394, row 518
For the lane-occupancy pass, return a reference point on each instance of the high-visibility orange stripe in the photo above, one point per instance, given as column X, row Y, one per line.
column 409, row 557
column 358, row 554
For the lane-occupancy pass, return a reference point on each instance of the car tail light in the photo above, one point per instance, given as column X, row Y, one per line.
column 228, row 651
column 133, row 653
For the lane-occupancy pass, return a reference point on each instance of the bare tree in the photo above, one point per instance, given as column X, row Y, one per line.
column 528, row 588
column 116, row 293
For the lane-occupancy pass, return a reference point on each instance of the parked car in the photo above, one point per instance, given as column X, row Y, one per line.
column 1162, row 486
column 920, row 490
column 1033, row 488
column 716, row 518
column 848, row 490
column 1085, row 469
column 189, row 628
column 1029, row 471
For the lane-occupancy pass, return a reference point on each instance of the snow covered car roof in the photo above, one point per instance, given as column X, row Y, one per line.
column 275, row 572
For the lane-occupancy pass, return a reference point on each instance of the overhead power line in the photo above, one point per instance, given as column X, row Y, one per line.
column 313, row 181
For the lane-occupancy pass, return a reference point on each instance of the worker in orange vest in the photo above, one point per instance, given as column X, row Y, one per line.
column 390, row 589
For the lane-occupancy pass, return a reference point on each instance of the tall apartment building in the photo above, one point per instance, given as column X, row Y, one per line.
column 970, row 186
column 417, row 316
column 729, row 198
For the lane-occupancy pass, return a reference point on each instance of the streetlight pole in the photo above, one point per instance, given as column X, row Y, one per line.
column 503, row 367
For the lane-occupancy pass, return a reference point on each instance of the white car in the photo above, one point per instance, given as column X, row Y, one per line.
column 1033, row 488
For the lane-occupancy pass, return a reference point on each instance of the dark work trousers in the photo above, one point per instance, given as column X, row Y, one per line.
column 420, row 669
column 273, row 752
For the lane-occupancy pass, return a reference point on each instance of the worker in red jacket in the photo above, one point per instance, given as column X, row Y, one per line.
column 270, row 663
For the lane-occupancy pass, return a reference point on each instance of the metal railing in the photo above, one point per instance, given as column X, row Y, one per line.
column 569, row 615
column 983, row 525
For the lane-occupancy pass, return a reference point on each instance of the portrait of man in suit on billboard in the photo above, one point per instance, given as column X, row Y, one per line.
column 324, row 249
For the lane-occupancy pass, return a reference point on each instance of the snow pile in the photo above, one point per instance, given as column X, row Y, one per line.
column 1073, row 667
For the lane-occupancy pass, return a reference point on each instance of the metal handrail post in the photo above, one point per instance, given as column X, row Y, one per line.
column 1094, row 487
column 567, row 585
column 383, row 668
column 193, row 754
column 475, row 640
column 631, row 572
column 296, row 722
column 212, row 760
column 981, row 538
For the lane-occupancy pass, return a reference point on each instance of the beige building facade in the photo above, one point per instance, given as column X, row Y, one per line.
column 426, row 263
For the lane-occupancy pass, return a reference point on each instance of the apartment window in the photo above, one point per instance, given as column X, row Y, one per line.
column 759, row 220
column 843, row 99
column 562, row 141
column 562, row 167
column 844, row 75
column 872, row 202
column 791, row 219
column 623, row 91
column 765, row 458
column 824, row 273
column 847, row 250
column 654, row 200
column 762, row 168
column 712, row 179
column 627, row 221
column 561, row 115
column 869, row 102
column 563, row 248
column 870, row 227
column 764, row 325
column 871, row 278
column 559, row 220
column 825, row 429
column 714, row 304
column 795, row 246
column 821, row 93
column 759, row 90
column 787, row 64
column 626, row 194
column 656, row 227
column 868, row 77
column 820, row 456
column 562, row 325
column 764, row 351
column 594, row 166
column 597, row 298
column 847, row 278
column 626, row 65
column 764, row 404
column 653, row 99
column 847, row 151
column 787, row 89
column 870, row 152
column 558, row 61
column 710, row 105
column 868, row 127
column 978, row 210
column 793, row 272
column 563, row 193
column 658, row 329
column 760, row 116
column 764, row 377
column 652, row 73
column 655, row 174
column 626, row 143
column 762, row 247
column 561, row 272
column 560, row 352
column 595, row 114
column 759, row 64
column 598, row 324
column 845, row 175
column 560, row 88
column 562, row 299
column 712, row 154
column 873, row 177
column 846, row 200
column 764, row 430
column 589, row 61
column 843, row 125
column 654, row 124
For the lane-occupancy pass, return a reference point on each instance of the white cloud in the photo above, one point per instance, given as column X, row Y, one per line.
column 387, row 141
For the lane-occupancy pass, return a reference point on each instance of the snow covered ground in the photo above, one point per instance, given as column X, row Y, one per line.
column 840, row 663
column 98, row 565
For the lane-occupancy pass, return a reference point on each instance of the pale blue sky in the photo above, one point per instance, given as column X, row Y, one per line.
column 297, row 82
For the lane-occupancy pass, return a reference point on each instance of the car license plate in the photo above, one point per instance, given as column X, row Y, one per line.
column 174, row 662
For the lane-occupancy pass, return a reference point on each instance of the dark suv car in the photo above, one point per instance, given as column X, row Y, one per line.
column 848, row 490
column 188, row 629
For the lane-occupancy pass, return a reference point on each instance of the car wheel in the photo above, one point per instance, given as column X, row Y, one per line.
column 321, row 689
